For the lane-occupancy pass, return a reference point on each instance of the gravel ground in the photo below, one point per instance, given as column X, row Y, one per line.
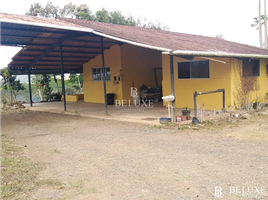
column 105, row 159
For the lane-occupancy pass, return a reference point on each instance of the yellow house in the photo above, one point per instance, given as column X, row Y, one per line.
column 132, row 66
column 200, row 64
column 179, row 64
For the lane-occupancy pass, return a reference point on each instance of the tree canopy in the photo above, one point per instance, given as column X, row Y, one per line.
column 82, row 11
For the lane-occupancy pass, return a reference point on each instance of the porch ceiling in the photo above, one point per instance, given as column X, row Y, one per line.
column 41, row 42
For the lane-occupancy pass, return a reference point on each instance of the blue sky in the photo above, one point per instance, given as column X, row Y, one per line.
column 230, row 18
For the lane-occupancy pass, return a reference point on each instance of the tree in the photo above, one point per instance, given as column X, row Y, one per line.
column 260, row 21
column 77, row 80
column 49, row 11
column 78, row 12
column 82, row 11
column 42, row 83
column 9, row 83
column 265, row 27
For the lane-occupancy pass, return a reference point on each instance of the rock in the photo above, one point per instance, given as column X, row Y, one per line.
column 195, row 128
column 262, row 113
column 246, row 116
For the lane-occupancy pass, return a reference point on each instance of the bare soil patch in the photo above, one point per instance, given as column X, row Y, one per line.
column 88, row 158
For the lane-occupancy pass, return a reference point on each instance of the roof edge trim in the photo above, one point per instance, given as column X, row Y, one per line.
column 46, row 25
column 133, row 43
column 216, row 54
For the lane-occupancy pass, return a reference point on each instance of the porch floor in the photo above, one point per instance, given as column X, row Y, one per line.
column 97, row 110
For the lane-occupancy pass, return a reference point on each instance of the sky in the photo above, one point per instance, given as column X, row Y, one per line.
column 229, row 18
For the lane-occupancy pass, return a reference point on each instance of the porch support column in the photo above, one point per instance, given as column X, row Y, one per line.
column 104, row 76
column 30, row 87
column 172, row 88
column 62, row 78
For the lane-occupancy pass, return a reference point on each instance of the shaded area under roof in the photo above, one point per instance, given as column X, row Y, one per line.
column 41, row 44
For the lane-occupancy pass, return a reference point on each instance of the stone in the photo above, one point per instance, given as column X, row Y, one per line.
column 262, row 113
column 246, row 116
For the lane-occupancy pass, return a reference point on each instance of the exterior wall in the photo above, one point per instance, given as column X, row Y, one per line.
column 240, row 88
column 138, row 67
column 220, row 78
column 93, row 90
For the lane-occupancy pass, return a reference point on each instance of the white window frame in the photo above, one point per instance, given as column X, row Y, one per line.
column 97, row 75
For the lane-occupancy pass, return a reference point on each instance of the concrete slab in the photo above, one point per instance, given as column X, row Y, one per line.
column 143, row 114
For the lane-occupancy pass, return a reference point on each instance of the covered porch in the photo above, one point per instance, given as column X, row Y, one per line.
column 143, row 115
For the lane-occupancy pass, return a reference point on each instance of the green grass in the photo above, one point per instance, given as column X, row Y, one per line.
column 18, row 173
column 55, row 183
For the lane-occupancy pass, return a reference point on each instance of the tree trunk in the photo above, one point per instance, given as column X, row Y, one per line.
column 260, row 25
column 79, row 83
column 265, row 27
column 40, row 94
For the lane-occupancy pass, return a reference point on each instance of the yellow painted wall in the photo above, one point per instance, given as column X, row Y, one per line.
column 138, row 67
column 71, row 98
column 93, row 90
column 220, row 75
column 237, row 87
column 263, row 78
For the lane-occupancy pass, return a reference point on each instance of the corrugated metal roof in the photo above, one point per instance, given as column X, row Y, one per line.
column 37, row 55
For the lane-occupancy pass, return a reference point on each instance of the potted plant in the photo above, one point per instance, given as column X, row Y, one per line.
column 185, row 111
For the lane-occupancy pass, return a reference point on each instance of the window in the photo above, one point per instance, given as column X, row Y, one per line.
column 193, row 69
column 251, row 67
column 97, row 74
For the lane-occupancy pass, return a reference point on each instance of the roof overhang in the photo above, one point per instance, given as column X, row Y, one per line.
column 44, row 25
column 215, row 54
column 41, row 42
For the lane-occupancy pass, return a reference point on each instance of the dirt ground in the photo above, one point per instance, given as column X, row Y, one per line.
column 103, row 159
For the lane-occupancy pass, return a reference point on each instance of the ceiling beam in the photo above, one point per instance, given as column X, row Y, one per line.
column 31, row 30
column 73, row 61
column 50, row 56
column 52, row 38
column 68, row 36
column 56, row 51
column 47, row 45
column 28, row 37
column 45, row 71
column 42, row 65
